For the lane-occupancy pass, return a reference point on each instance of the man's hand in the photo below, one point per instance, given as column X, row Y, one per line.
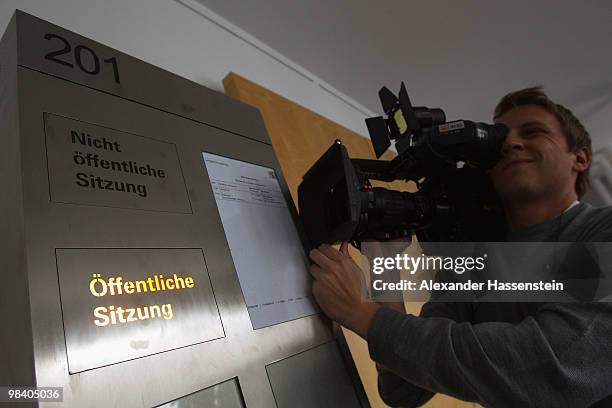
column 337, row 288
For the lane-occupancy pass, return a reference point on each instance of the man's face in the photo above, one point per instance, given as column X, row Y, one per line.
column 536, row 162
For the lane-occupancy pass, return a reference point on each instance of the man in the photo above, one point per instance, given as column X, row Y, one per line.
column 509, row 354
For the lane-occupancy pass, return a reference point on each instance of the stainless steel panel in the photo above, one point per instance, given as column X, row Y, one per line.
column 96, row 165
column 141, row 382
column 16, row 354
column 224, row 395
column 138, row 81
column 163, row 107
column 119, row 304
column 313, row 378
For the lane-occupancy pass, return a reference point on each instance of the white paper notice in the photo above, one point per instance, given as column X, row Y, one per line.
column 268, row 255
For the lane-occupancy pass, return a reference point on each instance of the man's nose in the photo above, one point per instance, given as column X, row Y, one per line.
column 513, row 142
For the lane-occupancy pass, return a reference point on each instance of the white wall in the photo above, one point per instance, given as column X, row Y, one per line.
column 184, row 37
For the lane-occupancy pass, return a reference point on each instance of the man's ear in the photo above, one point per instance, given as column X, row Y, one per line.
column 582, row 159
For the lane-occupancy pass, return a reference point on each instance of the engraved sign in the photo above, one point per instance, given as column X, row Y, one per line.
column 120, row 304
column 95, row 165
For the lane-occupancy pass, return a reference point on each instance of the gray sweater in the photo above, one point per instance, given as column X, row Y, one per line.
column 503, row 354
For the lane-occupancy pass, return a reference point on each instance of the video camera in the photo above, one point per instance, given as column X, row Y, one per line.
column 448, row 161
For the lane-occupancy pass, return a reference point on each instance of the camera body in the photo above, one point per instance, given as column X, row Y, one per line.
column 448, row 161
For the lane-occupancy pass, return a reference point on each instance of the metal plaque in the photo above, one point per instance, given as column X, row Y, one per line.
column 120, row 304
column 313, row 378
column 226, row 394
column 95, row 165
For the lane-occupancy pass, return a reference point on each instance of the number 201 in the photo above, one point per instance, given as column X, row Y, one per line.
column 79, row 51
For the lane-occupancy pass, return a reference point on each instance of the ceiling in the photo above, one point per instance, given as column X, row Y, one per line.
column 461, row 56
